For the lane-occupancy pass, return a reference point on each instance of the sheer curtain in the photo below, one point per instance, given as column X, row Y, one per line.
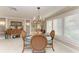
column 48, row 26
column 72, row 27
column 58, row 26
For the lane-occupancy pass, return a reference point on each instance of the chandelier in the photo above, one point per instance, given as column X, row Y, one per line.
column 38, row 19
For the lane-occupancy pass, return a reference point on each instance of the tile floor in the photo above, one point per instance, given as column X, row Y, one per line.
column 15, row 46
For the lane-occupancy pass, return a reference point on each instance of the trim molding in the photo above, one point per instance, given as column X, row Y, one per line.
column 68, row 43
column 62, row 11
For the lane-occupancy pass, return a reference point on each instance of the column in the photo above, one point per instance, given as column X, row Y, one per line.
column 30, row 27
column 52, row 24
column 6, row 23
column 63, row 27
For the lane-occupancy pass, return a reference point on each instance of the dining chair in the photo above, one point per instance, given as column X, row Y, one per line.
column 52, row 35
column 23, row 35
column 38, row 43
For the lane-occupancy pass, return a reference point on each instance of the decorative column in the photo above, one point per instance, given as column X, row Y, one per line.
column 30, row 27
column 52, row 24
column 6, row 23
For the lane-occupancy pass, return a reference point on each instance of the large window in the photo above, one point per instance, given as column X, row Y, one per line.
column 72, row 27
column 49, row 26
column 28, row 27
column 58, row 26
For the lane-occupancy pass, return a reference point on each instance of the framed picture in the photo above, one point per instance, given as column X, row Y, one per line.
column 16, row 23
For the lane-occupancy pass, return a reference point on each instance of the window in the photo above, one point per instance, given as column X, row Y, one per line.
column 28, row 27
column 49, row 26
column 72, row 27
column 58, row 26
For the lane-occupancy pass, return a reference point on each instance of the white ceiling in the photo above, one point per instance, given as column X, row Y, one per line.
column 28, row 12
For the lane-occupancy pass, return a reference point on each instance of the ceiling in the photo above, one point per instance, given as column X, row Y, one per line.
column 28, row 12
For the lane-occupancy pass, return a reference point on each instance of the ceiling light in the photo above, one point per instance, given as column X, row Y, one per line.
column 38, row 18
